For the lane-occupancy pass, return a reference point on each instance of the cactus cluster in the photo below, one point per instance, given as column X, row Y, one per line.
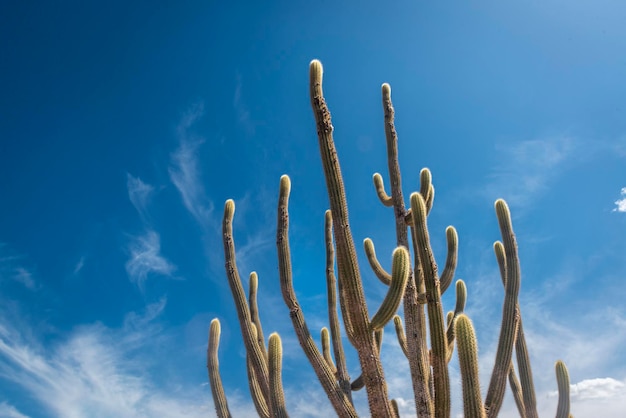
column 414, row 281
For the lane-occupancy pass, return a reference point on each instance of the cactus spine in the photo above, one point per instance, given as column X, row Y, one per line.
column 414, row 281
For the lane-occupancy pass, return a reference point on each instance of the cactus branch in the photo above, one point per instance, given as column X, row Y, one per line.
column 213, row 365
column 400, row 274
column 468, row 363
column 562, row 379
column 277, row 395
column 378, row 270
column 385, row 199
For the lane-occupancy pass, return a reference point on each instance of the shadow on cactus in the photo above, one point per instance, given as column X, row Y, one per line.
column 414, row 281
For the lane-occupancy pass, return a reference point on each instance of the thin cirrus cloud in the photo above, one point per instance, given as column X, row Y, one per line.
column 145, row 258
column 528, row 167
column 139, row 194
column 184, row 171
column 96, row 372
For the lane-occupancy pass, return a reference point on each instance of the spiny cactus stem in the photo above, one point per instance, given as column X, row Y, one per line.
column 219, row 398
column 562, row 379
column 337, row 397
column 356, row 317
column 516, row 388
column 510, row 313
column 343, row 376
column 468, row 363
column 277, row 395
column 439, row 344
column 325, row 338
column 257, row 357
column 260, row 402
column 397, row 322
column 384, row 198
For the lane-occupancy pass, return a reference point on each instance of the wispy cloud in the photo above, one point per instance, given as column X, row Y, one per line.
column 527, row 168
column 184, row 169
column 25, row 277
column 243, row 114
column 139, row 193
column 621, row 203
column 145, row 258
column 79, row 266
column 95, row 372
column 12, row 268
column 9, row 411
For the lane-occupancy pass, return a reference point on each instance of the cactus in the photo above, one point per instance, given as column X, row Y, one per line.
column 413, row 281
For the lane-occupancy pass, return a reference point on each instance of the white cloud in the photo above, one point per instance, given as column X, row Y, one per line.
column 79, row 266
column 25, row 277
column 184, row 171
column 598, row 388
column 138, row 193
column 96, row 372
column 621, row 203
column 145, row 258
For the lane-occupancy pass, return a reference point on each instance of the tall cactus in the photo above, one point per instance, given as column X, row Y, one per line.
column 414, row 281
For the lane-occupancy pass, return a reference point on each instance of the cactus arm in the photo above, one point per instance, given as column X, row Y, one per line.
column 397, row 322
column 451, row 259
column 325, row 338
column 394, row 405
column 339, row 400
column 380, row 190
column 378, row 270
column 277, row 395
column 213, row 365
column 342, row 374
column 400, row 274
column 414, row 315
column 254, row 309
column 257, row 357
column 521, row 350
column 510, row 313
column 562, row 378
column 439, row 344
column 459, row 307
column 355, row 315
column 467, row 349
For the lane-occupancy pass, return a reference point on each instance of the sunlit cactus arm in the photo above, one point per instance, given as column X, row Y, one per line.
column 397, row 322
column 356, row 317
column 467, row 349
column 521, row 350
column 257, row 356
column 378, row 270
column 325, row 338
column 277, row 395
column 339, row 400
column 394, row 405
column 516, row 388
column 385, row 199
column 415, row 321
column 562, row 379
column 430, row 198
column 254, row 309
column 510, row 313
column 342, row 375
column 213, row 365
column 400, row 273
column 451, row 259
column 261, row 404
column 461, row 298
column 439, row 344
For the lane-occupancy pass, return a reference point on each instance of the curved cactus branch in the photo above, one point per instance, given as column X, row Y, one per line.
column 341, row 403
column 510, row 313
column 468, row 363
column 277, row 395
column 213, row 365
column 451, row 259
column 461, row 298
column 385, row 199
column 260, row 402
column 562, row 379
column 397, row 322
column 378, row 270
column 400, row 274
column 516, row 388
column 325, row 338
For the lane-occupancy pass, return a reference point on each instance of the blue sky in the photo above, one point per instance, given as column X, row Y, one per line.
column 124, row 129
